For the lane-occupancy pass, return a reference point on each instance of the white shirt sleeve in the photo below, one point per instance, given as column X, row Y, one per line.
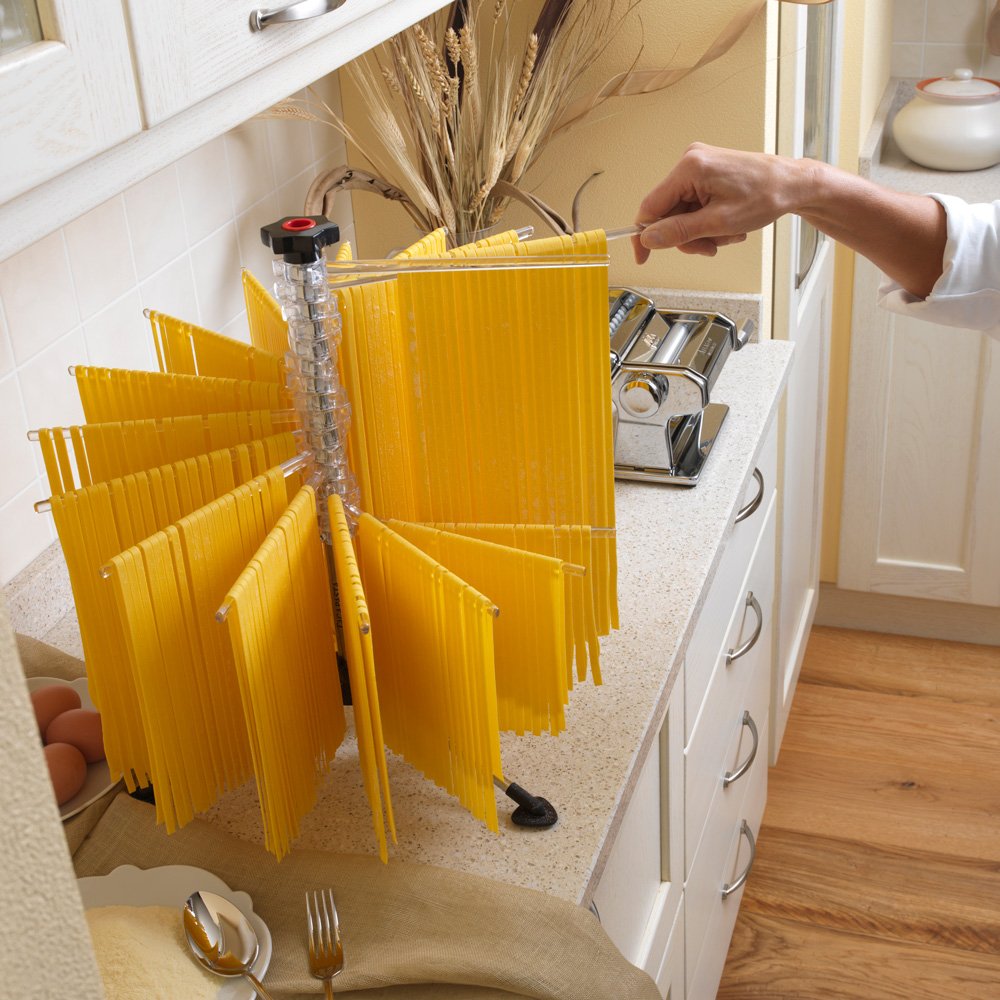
column 968, row 292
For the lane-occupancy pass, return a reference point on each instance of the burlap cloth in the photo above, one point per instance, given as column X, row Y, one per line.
column 411, row 932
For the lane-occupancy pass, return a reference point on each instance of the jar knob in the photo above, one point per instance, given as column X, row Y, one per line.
column 962, row 74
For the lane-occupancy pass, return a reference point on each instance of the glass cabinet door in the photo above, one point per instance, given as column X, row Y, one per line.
column 19, row 24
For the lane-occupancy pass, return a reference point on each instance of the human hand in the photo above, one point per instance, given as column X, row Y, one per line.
column 713, row 197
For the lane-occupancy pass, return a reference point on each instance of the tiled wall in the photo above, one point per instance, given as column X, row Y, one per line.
column 176, row 243
column 934, row 37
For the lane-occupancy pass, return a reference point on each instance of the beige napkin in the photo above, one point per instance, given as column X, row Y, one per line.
column 411, row 932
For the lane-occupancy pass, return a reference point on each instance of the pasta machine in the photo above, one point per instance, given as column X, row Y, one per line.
column 664, row 364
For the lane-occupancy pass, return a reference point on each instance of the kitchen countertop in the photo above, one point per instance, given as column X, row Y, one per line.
column 882, row 161
column 670, row 542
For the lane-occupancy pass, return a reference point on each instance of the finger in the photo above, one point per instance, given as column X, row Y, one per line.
column 726, row 241
column 673, row 191
column 702, row 248
column 640, row 253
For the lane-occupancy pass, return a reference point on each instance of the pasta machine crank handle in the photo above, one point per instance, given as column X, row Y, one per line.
column 532, row 810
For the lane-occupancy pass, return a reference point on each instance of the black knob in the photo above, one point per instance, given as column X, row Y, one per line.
column 300, row 239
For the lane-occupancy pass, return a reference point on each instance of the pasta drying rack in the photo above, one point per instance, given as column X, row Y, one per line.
column 389, row 439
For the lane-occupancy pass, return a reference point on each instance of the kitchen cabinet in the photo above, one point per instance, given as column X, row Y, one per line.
column 671, row 888
column 190, row 50
column 921, row 495
column 87, row 114
column 67, row 94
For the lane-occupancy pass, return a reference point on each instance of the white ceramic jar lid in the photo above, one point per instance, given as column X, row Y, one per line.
column 960, row 88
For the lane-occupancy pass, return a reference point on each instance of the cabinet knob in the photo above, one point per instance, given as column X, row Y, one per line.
column 261, row 18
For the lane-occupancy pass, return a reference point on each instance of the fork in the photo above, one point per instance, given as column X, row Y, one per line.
column 326, row 950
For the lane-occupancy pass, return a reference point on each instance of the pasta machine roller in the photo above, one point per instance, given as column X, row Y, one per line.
column 664, row 364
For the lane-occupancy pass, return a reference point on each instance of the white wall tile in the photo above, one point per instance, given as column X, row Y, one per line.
column 120, row 337
column 291, row 148
column 292, row 194
column 253, row 254
column 155, row 221
column 216, row 266
column 206, row 194
column 49, row 391
column 171, row 291
column 100, row 256
column 39, row 302
column 23, row 532
column 237, row 328
column 19, row 469
column 248, row 150
column 991, row 66
column 6, row 353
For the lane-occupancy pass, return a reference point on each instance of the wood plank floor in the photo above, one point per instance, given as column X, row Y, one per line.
column 877, row 874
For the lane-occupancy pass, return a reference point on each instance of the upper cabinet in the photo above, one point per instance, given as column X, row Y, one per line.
column 66, row 87
column 188, row 50
column 95, row 97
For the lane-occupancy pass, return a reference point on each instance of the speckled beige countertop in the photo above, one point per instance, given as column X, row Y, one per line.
column 669, row 545
column 882, row 161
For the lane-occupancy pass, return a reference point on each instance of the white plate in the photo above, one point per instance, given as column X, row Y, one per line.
column 98, row 780
column 171, row 885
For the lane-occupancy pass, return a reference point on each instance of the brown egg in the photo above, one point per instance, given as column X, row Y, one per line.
column 52, row 700
column 67, row 769
column 81, row 728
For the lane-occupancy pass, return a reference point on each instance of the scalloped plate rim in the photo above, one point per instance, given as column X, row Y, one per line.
column 170, row 885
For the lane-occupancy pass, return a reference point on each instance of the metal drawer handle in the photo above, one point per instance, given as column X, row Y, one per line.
column 735, row 654
column 751, row 507
column 745, row 831
column 730, row 776
column 261, row 18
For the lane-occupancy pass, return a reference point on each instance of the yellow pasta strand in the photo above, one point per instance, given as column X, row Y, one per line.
column 529, row 635
column 186, row 349
column 282, row 638
column 433, row 639
column 359, row 653
column 268, row 329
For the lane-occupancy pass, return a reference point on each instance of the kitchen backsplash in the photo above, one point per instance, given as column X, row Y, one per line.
column 933, row 37
column 175, row 243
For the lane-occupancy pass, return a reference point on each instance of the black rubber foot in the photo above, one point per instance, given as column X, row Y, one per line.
column 532, row 811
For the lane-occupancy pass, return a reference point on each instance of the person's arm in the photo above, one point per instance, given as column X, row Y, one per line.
column 714, row 197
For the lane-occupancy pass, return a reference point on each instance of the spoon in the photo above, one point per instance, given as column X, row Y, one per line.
column 221, row 938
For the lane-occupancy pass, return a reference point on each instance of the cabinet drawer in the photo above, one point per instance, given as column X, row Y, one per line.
column 726, row 591
column 630, row 885
column 722, row 857
column 669, row 976
column 720, row 741
column 188, row 50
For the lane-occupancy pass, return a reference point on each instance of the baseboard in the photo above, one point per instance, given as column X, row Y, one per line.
column 908, row 616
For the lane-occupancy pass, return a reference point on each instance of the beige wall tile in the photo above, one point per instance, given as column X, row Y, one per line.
column 156, row 221
column 19, row 469
column 909, row 18
column 100, row 256
column 907, row 59
column 23, row 532
column 955, row 21
column 49, row 391
column 120, row 337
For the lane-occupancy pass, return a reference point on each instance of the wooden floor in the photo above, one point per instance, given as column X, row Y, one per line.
column 877, row 874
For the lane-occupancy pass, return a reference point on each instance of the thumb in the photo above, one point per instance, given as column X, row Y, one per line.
column 692, row 223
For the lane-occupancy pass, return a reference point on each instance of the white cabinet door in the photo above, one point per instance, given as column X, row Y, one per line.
column 188, row 50
column 922, row 469
column 803, row 299
column 67, row 96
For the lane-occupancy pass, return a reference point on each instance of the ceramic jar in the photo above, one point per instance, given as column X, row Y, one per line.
column 953, row 123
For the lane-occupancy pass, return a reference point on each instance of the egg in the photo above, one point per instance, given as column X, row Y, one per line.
column 81, row 728
column 52, row 700
column 67, row 770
